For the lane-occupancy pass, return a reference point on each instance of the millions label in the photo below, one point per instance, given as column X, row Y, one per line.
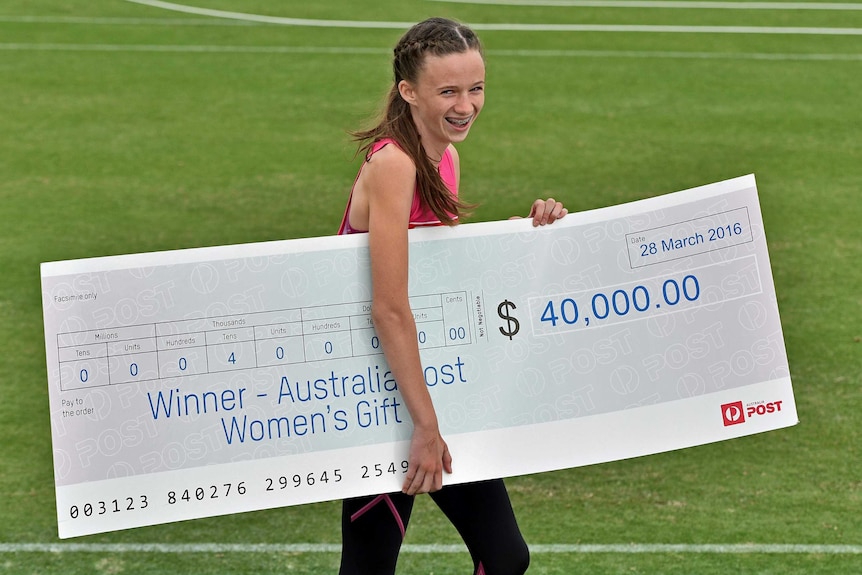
column 512, row 324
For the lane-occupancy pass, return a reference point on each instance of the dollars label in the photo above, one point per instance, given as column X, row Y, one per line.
column 512, row 324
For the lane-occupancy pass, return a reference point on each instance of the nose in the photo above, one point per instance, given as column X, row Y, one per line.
column 463, row 105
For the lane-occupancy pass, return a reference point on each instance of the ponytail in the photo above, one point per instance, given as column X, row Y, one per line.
column 439, row 37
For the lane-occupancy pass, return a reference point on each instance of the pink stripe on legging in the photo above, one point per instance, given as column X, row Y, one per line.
column 374, row 502
column 481, row 570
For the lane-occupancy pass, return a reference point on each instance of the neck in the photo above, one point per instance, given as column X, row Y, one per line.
column 433, row 149
column 435, row 153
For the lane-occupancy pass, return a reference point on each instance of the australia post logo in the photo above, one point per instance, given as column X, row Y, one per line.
column 732, row 413
column 736, row 412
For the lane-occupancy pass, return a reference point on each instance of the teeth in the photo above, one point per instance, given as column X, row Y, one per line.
column 463, row 122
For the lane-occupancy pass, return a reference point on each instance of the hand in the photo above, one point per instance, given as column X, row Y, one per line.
column 429, row 457
column 546, row 211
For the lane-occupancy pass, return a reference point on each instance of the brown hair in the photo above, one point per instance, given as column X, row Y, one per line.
column 438, row 37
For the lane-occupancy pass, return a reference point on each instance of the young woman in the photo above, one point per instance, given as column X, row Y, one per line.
column 410, row 178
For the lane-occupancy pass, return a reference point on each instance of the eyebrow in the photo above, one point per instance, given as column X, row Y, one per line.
column 452, row 86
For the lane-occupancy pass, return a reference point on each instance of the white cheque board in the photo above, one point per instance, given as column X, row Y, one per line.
column 209, row 381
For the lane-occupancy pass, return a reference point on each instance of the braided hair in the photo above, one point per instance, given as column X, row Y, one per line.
column 437, row 37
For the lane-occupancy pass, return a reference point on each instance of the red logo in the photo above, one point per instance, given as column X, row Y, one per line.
column 732, row 413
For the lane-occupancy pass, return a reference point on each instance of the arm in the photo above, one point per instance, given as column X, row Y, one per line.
column 389, row 181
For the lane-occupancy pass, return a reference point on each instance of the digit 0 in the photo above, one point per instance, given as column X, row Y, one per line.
column 571, row 316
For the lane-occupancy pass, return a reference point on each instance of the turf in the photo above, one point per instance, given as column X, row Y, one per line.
column 120, row 151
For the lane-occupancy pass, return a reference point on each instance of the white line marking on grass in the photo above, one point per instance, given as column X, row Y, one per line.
column 724, row 549
column 20, row 47
column 705, row 548
column 684, row 4
column 124, row 21
column 507, row 27
column 653, row 29
column 192, row 49
column 271, row 19
column 677, row 55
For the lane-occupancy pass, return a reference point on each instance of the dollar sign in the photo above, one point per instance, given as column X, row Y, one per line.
column 512, row 324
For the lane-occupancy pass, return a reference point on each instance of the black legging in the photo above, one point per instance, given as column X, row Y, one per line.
column 373, row 528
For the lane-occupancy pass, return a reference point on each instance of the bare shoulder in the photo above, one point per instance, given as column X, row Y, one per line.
column 456, row 164
column 454, row 151
column 384, row 191
column 391, row 162
column 388, row 172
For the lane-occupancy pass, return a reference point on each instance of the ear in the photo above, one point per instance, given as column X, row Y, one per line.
column 407, row 91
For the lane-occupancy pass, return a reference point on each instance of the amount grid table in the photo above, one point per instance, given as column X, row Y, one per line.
column 163, row 350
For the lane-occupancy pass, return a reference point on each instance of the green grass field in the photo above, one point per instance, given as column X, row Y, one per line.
column 127, row 128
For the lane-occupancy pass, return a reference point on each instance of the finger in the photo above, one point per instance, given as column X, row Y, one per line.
column 544, row 212
column 447, row 461
column 547, row 210
column 555, row 211
column 413, row 482
column 552, row 210
column 435, row 481
column 422, row 483
column 408, row 481
column 537, row 212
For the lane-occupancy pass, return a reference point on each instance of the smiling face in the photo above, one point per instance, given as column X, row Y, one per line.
column 446, row 98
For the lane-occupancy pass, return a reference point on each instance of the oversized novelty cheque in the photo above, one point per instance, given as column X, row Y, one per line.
column 209, row 381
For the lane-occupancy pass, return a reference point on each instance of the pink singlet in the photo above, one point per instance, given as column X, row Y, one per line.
column 420, row 214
